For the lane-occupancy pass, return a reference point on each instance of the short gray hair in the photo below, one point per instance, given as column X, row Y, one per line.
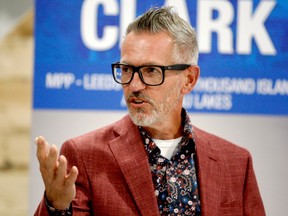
column 164, row 19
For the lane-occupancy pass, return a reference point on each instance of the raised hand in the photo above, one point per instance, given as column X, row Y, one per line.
column 59, row 184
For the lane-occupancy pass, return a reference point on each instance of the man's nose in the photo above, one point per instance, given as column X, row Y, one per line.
column 136, row 83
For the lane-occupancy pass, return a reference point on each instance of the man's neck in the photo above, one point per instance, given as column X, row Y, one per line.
column 165, row 131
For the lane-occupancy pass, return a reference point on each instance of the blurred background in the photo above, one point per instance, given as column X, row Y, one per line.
column 16, row 68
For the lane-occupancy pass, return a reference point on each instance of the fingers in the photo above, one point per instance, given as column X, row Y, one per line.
column 45, row 153
column 59, row 186
column 72, row 176
column 52, row 167
column 48, row 158
column 52, row 161
column 62, row 177
column 42, row 149
column 61, row 170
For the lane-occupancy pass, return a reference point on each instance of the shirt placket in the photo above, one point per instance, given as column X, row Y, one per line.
column 175, row 180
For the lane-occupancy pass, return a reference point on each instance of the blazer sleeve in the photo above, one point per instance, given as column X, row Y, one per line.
column 253, row 204
column 41, row 209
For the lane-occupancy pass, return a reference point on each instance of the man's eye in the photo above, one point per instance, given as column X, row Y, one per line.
column 125, row 69
column 152, row 70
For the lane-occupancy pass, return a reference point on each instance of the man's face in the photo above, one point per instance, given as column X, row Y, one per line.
column 151, row 105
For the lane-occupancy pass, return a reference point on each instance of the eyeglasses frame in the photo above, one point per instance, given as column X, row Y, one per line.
column 136, row 69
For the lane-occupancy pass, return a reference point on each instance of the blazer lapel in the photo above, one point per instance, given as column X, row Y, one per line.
column 209, row 174
column 130, row 154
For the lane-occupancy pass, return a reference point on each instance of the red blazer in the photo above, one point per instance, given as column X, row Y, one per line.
column 115, row 178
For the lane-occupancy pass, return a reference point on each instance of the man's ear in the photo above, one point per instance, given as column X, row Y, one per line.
column 191, row 76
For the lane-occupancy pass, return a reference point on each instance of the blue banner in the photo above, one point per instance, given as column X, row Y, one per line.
column 242, row 43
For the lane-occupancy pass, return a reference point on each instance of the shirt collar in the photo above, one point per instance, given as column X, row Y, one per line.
column 152, row 149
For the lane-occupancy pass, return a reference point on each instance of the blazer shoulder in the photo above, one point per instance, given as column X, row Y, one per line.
column 104, row 134
column 219, row 144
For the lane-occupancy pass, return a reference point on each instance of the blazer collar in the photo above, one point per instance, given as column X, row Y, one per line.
column 131, row 156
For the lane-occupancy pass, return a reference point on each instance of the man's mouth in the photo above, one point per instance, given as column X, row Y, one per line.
column 137, row 101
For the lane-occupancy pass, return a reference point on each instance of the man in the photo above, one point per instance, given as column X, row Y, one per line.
column 153, row 161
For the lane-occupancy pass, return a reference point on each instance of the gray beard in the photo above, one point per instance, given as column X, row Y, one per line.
column 141, row 119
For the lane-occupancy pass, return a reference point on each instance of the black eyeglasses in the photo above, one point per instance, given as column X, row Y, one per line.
column 151, row 75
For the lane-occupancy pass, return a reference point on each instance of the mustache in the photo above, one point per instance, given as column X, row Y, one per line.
column 140, row 95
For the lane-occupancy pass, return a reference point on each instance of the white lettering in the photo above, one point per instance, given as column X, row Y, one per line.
column 226, row 85
column 102, row 82
column 206, row 25
column 128, row 13
column 212, row 101
column 252, row 26
column 59, row 80
column 181, row 7
column 267, row 87
column 213, row 17
column 90, row 24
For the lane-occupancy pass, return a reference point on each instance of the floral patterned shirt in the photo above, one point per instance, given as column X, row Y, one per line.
column 175, row 180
